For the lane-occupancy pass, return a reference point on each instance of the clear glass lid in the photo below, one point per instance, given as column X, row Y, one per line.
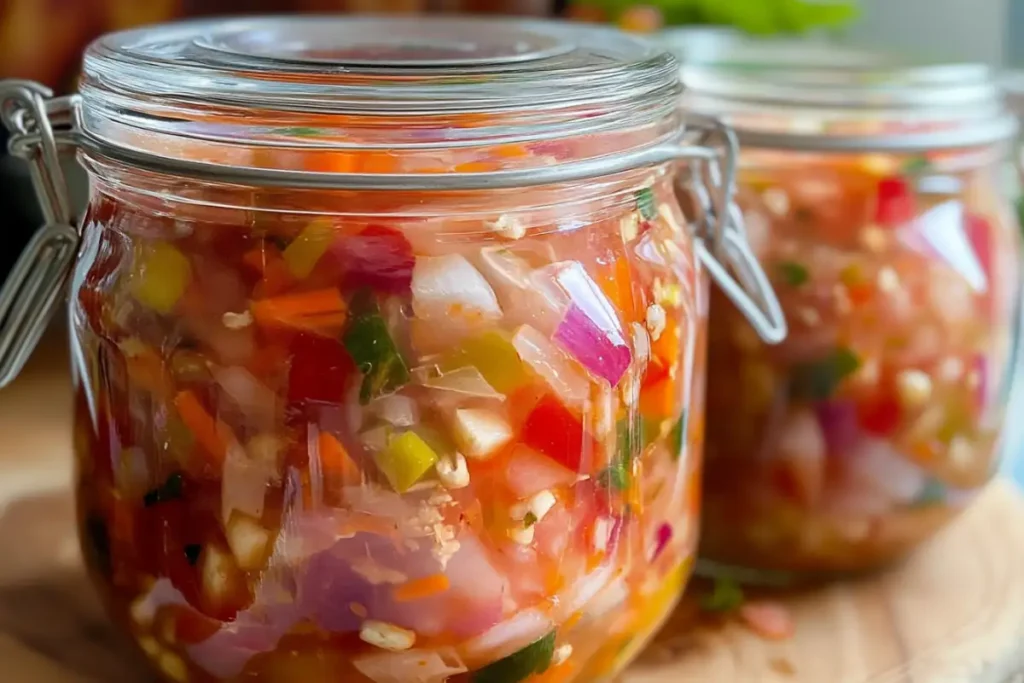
column 407, row 85
column 817, row 95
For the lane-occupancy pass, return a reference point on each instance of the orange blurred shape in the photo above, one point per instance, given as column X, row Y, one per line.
column 641, row 19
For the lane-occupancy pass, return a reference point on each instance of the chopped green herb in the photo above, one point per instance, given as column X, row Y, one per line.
column 726, row 596
column 818, row 380
column 192, row 551
column 529, row 520
column 369, row 343
column 677, row 437
column 917, row 166
column 793, row 274
column 298, row 132
column 97, row 544
column 632, row 441
column 535, row 658
column 614, row 477
column 933, row 493
column 1020, row 213
column 168, row 491
column 645, row 203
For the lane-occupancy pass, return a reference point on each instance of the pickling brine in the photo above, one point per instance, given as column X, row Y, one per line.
column 353, row 447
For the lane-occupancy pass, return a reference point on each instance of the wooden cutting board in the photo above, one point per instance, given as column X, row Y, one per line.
column 953, row 614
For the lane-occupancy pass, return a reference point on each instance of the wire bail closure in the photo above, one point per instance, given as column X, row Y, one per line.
column 722, row 244
column 33, row 290
column 41, row 125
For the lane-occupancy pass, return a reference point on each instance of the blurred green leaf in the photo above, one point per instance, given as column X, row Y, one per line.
column 761, row 17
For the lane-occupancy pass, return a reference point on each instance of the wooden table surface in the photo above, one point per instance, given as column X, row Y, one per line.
column 952, row 614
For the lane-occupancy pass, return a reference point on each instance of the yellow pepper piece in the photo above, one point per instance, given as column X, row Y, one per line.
column 494, row 356
column 406, row 459
column 305, row 250
column 160, row 276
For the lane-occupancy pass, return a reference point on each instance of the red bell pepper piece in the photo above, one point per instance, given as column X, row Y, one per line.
column 377, row 257
column 319, row 369
column 880, row 417
column 896, row 204
column 979, row 233
column 553, row 430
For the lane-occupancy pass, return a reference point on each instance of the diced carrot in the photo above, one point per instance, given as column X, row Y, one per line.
column 660, row 399
column 924, row 452
column 378, row 162
column 370, row 524
column 556, row 674
column 267, row 261
column 335, row 460
column 475, row 167
column 321, row 311
column 573, row 619
column 146, row 370
column 510, row 151
column 211, row 434
column 859, row 294
column 617, row 285
column 332, row 162
column 418, row 589
column 666, row 348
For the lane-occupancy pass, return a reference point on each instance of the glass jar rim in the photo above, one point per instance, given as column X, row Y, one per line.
column 903, row 105
column 416, row 84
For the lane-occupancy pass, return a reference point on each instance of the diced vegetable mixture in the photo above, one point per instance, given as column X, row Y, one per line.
column 879, row 417
column 397, row 442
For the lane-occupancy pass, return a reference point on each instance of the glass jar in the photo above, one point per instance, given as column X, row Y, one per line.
column 389, row 346
column 872, row 194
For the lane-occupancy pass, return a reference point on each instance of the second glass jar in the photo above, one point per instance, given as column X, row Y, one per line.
column 872, row 196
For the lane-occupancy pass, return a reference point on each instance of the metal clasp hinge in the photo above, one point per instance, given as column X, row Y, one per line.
column 722, row 244
column 39, row 124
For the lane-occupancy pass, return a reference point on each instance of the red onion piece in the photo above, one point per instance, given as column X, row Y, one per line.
column 591, row 330
column 662, row 538
column 600, row 353
column 838, row 421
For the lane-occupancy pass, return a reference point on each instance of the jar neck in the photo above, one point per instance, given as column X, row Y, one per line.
column 162, row 194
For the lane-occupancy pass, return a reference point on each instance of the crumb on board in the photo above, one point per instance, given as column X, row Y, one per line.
column 782, row 665
column 768, row 619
